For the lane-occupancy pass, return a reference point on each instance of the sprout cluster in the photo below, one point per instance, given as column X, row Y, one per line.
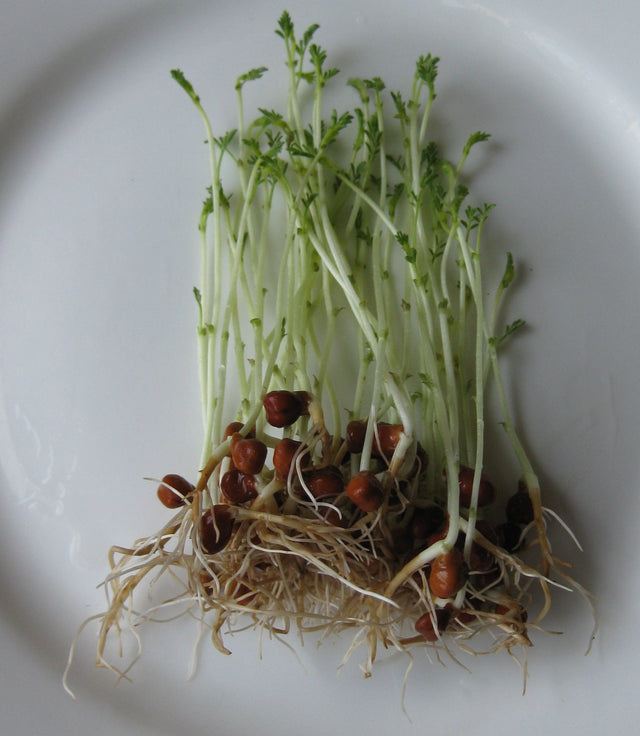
column 375, row 517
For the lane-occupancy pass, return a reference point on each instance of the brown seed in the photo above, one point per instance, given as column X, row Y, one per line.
column 439, row 535
column 519, row 508
column 283, row 455
column 366, row 491
column 283, row 408
column 487, row 530
column 248, row 455
column 240, row 592
column 425, row 624
column 231, row 429
column 333, row 518
column 306, row 399
column 464, row 615
column 402, row 541
column 356, row 431
column 480, row 559
column 427, row 521
column 216, row 525
column 486, row 490
column 388, row 438
column 173, row 489
column 324, row 482
column 509, row 536
column 206, row 581
column 238, row 487
column 442, row 532
column 234, row 428
column 447, row 574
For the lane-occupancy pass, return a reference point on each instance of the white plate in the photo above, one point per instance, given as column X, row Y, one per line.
column 101, row 174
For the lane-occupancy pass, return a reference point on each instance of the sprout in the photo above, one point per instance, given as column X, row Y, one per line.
column 348, row 224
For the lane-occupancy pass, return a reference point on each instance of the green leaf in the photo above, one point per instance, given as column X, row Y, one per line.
column 336, row 125
column 430, row 156
column 225, row 200
column 397, row 161
column 477, row 137
column 224, row 141
column 461, row 193
column 376, row 84
column 426, row 380
column 308, row 199
column 317, row 55
column 270, row 117
column 427, row 71
column 207, row 209
column 295, row 149
column 475, row 216
column 509, row 272
column 360, row 86
column 250, row 76
column 509, row 330
column 285, row 26
column 401, row 107
column 331, row 73
column 409, row 253
column 308, row 35
column 186, row 85
column 373, row 137
column 439, row 249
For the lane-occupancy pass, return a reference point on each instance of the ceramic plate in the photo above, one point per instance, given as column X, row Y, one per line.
column 102, row 170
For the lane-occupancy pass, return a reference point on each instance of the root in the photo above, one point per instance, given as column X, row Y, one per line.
column 281, row 572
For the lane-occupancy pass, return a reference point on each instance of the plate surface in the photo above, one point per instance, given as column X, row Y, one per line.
column 101, row 175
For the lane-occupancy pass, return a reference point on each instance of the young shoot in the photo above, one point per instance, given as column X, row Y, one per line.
column 342, row 271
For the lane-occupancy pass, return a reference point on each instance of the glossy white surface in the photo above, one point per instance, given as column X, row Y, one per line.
column 101, row 174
